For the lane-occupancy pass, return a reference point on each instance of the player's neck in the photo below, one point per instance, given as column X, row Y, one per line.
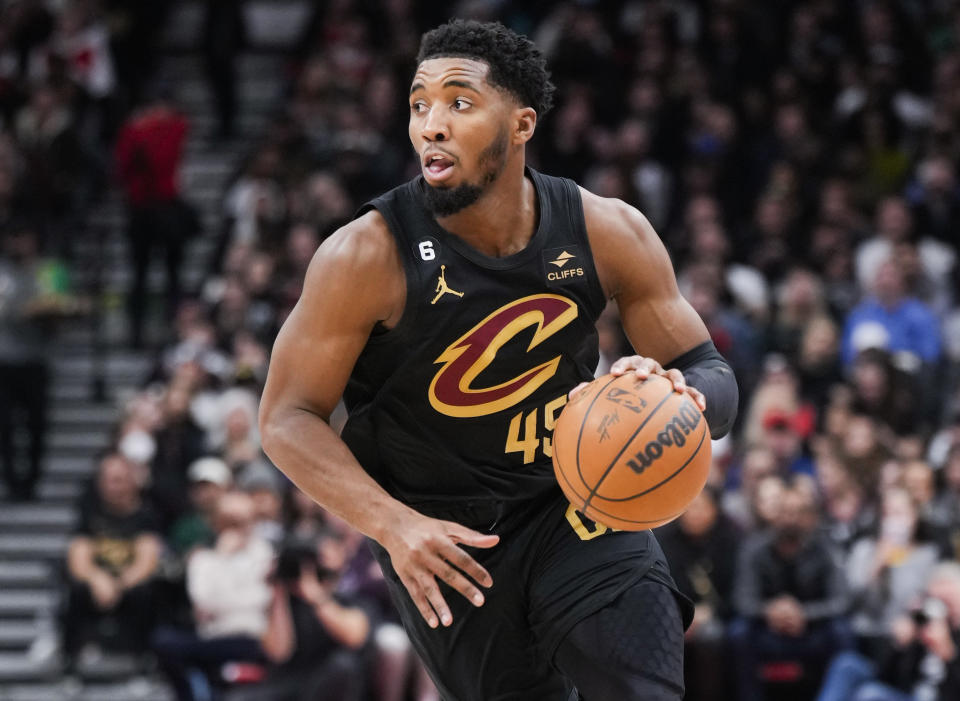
column 503, row 220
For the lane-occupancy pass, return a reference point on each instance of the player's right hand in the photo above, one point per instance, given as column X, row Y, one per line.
column 423, row 549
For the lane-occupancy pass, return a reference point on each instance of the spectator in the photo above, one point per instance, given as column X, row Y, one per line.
column 111, row 560
column 180, row 442
column 890, row 319
column 894, row 228
column 263, row 482
column 759, row 462
column 254, row 206
column 946, row 507
column 314, row 634
column 228, row 591
column 790, row 595
column 818, row 360
column 883, row 392
column 209, row 478
column 235, row 434
column 783, row 435
column 847, row 515
column 223, row 36
column 148, row 154
column 887, row 571
column 699, row 547
column 801, row 299
column 864, row 450
column 23, row 364
column 936, row 205
column 925, row 663
column 55, row 166
column 919, row 481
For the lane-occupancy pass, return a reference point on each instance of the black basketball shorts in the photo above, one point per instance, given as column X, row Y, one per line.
column 574, row 607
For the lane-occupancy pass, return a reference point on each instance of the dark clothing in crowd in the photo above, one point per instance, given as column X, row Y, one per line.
column 319, row 667
column 815, row 579
column 23, row 402
column 23, row 379
column 179, row 443
column 223, row 37
column 191, row 663
column 703, row 569
column 904, row 669
column 127, row 626
column 813, row 576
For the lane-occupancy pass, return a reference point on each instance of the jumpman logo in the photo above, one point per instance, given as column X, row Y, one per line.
column 442, row 288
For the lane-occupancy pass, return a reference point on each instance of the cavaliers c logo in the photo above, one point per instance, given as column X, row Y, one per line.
column 463, row 360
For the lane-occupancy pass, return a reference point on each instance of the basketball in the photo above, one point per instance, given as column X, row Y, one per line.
column 631, row 454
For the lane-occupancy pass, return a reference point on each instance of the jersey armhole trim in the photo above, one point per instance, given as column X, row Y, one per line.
column 410, row 274
column 597, row 296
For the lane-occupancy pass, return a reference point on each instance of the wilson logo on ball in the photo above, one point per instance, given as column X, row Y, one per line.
column 673, row 434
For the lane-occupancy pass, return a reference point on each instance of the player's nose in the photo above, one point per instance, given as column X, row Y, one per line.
column 435, row 126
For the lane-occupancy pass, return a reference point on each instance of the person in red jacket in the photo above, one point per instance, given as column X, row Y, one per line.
column 148, row 154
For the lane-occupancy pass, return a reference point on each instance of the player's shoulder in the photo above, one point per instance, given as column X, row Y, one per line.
column 359, row 261
column 364, row 244
column 621, row 238
column 612, row 217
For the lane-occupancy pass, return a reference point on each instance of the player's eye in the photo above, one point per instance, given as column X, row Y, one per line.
column 460, row 104
column 417, row 107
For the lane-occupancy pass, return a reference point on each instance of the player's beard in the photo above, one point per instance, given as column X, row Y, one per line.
column 444, row 201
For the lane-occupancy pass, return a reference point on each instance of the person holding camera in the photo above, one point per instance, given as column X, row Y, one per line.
column 315, row 637
column 924, row 664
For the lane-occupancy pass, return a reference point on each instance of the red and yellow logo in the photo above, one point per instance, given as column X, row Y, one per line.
column 451, row 392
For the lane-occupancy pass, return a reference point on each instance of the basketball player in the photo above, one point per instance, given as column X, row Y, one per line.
column 454, row 315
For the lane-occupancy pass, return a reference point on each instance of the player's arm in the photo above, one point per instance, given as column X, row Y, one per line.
column 355, row 280
column 667, row 334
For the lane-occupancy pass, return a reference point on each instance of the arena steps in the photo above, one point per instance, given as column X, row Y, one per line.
column 24, row 603
column 93, row 372
column 35, row 546
column 20, row 574
column 51, row 491
column 136, row 689
column 36, row 518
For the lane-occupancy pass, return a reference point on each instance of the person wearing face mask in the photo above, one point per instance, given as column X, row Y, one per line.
column 790, row 595
column 887, row 571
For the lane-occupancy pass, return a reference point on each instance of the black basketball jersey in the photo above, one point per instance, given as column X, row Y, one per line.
column 457, row 402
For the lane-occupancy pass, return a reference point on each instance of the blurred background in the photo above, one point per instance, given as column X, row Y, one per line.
column 167, row 170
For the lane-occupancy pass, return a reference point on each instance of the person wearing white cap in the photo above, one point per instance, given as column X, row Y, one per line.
column 209, row 479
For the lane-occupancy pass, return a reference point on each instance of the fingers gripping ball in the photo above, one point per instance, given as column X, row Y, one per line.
column 631, row 454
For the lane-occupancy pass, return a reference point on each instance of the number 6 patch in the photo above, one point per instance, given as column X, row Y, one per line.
column 427, row 249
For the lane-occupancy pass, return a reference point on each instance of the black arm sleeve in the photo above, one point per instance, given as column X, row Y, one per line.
column 705, row 369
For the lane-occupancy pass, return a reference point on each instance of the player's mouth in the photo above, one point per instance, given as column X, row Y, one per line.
column 437, row 167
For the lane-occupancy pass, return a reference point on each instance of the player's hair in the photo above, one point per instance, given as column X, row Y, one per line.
column 516, row 64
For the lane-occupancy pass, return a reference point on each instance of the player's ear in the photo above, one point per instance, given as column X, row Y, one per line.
column 524, row 124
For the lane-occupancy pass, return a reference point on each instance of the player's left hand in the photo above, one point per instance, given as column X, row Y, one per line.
column 644, row 367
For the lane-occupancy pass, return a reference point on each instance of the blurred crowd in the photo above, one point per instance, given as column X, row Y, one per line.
column 799, row 159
